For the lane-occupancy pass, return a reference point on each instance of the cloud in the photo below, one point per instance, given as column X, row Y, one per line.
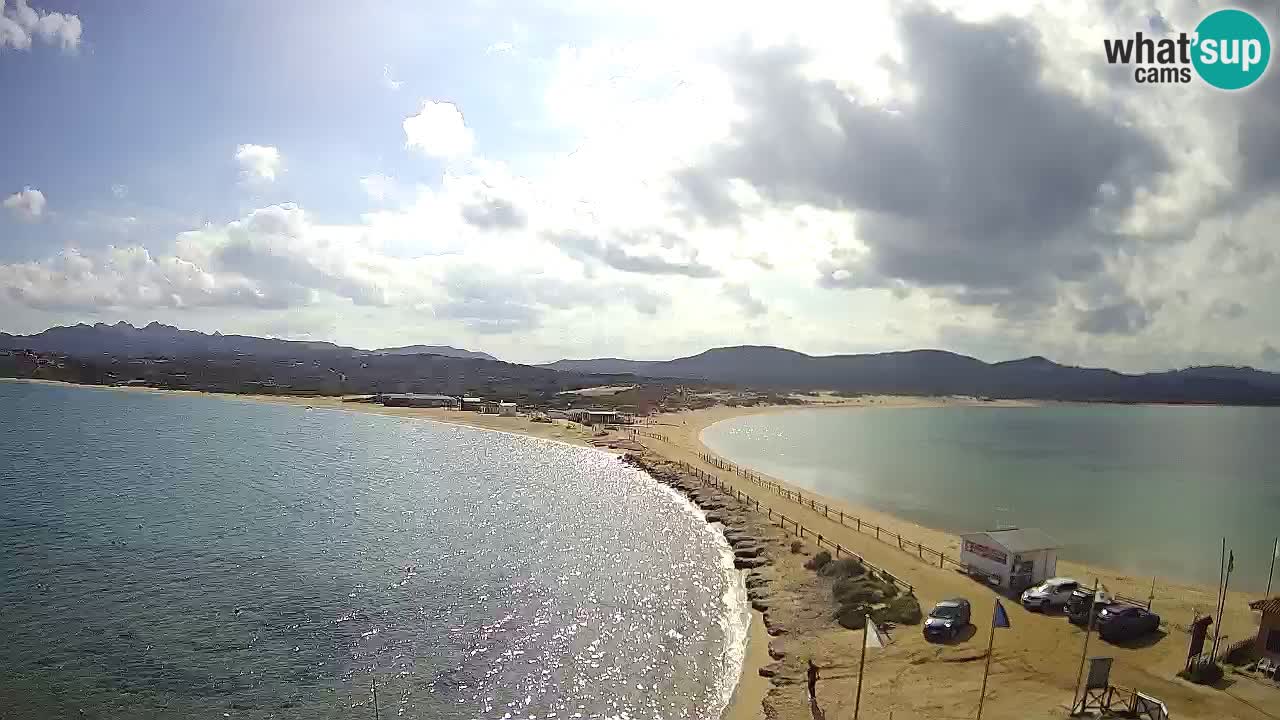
column 438, row 131
column 120, row 191
column 740, row 294
column 988, row 184
column 378, row 187
column 493, row 303
column 499, row 48
column 1223, row 309
column 390, row 82
column 618, row 254
column 21, row 23
column 26, row 204
column 1127, row 317
column 258, row 163
column 1270, row 355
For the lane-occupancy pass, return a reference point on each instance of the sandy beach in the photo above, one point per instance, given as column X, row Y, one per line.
column 1034, row 665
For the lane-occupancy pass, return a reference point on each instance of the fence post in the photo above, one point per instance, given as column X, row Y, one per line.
column 859, row 524
column 877, row 532
column 841, row 517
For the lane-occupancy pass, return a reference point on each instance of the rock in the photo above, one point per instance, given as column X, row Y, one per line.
column 773, row 628
column 714, row 518
column 776, row 652
column 749, row 563
column 747, row 551
column 756, row 580
column 759, row 606
column 818, row 561
column 757, row 594
column 768, row 671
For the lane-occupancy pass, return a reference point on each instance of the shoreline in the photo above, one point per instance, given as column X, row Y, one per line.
column 1150, row 669
column 689, row 437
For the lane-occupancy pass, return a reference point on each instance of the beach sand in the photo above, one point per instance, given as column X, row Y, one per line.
column 1035, row 664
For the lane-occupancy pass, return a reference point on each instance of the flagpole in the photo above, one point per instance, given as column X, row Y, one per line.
column 1222, row 606
column 987, row 670
column 857, row 701
column 1085, row 652
column 1274, row 553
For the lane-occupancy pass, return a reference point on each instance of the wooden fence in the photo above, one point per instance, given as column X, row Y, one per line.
column 790, row 525
column 885, row 535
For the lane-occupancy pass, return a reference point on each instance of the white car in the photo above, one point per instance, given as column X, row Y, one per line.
column 1054, row 592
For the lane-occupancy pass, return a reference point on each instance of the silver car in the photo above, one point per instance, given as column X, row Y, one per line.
column 1054, row 592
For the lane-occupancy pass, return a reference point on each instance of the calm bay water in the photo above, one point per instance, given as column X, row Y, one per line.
column 1149, row 490
column 178, row 556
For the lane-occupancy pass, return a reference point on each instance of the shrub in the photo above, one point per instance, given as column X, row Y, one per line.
column 853, row 616
column 796, row 546
column 858, row 590
column 903, row 610
column 817, row 562
column 843, row 568
column 1202, row 673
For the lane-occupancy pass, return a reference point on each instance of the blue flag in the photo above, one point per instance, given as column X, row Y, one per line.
column 1001, row 618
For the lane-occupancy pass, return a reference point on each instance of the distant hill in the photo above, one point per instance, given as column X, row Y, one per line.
column 156, row 339
column 938, row 372
column 444, row 350
column 166, row 356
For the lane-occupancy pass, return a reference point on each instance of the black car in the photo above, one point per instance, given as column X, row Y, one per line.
column 947, row 620
column 1118, row 623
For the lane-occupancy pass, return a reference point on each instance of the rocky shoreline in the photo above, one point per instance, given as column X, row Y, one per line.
column 788, row 597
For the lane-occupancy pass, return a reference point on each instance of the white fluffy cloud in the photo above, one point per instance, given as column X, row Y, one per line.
column 21, row 23
column 438, row 131
column 389, row 81
column 967, row 175
column 259, row 163
column 26, row 204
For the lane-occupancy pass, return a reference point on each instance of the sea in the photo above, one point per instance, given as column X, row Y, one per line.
column 1147, row 490
column 183, row 556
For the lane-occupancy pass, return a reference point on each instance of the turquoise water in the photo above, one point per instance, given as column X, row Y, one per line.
column 179, row 556
column 1148, row 490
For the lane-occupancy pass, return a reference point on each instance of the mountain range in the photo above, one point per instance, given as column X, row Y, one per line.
column 938, row 372
column 914, row 372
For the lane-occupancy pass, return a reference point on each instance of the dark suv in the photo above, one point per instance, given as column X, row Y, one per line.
column 947, row 620
column 1118, row 623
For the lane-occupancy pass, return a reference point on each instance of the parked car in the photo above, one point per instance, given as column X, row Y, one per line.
column 1118, row 622
column 947, row 620
column 1054, row 592
column 1078, row 604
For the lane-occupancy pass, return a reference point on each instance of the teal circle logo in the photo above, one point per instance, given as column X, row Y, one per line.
column 1232, row 49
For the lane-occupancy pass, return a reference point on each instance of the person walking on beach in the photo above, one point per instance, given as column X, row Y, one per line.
column 812, row 676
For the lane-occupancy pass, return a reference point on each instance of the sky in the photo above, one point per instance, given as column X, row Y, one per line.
column 578, row 178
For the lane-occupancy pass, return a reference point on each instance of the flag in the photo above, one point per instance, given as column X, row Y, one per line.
column 1000, row 619
column 873, row 638
column 1276, row 553
column 1231, row 561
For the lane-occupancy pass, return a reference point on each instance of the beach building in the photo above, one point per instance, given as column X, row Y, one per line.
column 1268, row 639
column 419, row 400
column 1012, row 559
column 507, row 409
column 591, row 417
column 471, row 403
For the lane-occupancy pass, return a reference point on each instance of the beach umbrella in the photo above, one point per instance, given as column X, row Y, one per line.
column 871, row 638
column 999, row 619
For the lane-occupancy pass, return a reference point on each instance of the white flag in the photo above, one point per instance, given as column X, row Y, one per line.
column 1276, row 553
column 872, row 635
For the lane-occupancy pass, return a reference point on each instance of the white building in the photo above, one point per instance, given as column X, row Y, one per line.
column 507, row 409
column 1013, row 559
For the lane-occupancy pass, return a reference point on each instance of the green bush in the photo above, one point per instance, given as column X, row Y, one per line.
column 853, row 616
column 1202, row 674
column 818, row 561
column 843, row 568
column 858, row 590
column 904, row 610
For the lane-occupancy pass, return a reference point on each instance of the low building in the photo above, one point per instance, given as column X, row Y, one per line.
column 507, row 409
column 593, row 417
column 489, row 407
column 472, row 403
column 419, row 400
column 1268, row 639
column 1013, row 559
